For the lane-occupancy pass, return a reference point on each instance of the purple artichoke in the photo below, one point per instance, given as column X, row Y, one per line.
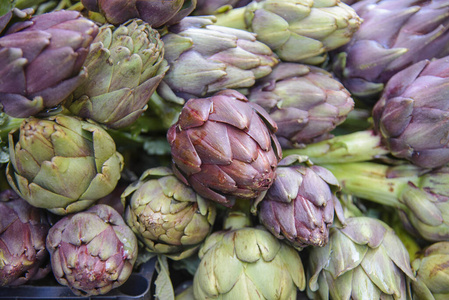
column 92, row 251
column 394, row 35
column 412, row 114
column 23, row 230
column 225, row 147
column 156, row 13
column 41, row 61
column 209, row 7
column 305, row 102
column 300, row 204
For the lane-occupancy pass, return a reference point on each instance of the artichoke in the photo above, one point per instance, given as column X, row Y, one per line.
column 156, row 13
column 299, row 206
column 92, row 251
column 225, row 147
column 205, row 58
column 305, row 102
column 62, row 163
column 209, row 7
column 431, row 273
column 125, row 65
column 166, row 215
column 411, row 31
column 247, row 263
column 411, row 115
column 23, row 230
column 45, row 6
column 41, row 61
column 363, row 260
column 297, row 31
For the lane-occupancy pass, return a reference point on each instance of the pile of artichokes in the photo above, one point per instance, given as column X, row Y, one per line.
column 264, row 149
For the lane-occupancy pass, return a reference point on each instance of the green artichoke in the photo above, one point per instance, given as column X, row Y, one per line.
column 247, row 263
column 62, row 163
column 23, row 230
column 125, row 65
column 297, row 31
column 305, row 102
column 166, row 215
column 363, row 260
column 41, row 61
column 205, row 58
column 432, row 273
column 92, row 251
column 225, row 147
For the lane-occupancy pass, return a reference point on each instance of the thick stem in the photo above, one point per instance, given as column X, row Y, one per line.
column 369, row 181
column 354, row 147
column 234, row 18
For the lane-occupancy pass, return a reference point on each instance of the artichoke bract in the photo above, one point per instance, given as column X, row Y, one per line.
column 41, row 61
column 431, row 271
column 305, row 102
column 125, row 65
column 363, row 260
column 62, row 163
column 92, row 251
column 167, row 215
column 209, row 7
column 411, row 115
column 247, row 263
column 297, row 31
column 225, row 147
column 411, row 31
column 23, row 230
column 300, row 205
column 156, row 13
column 205, row 58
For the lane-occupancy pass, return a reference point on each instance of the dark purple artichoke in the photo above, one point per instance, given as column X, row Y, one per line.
column 412, row 114
column 156, row 13
column 225, row 147
column 92, row 251
column 41, row 61
column 23, row 230
column 394, row 34
column 305, row 102
column 300, row 204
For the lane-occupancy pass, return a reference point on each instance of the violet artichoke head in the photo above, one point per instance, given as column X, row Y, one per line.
column 23, row 230
column 41, row 61
column 300, row 204
column 305, row 102
column 156, row 13
column 166, row 215
column 62, row 163
column 125, row 65
column 394, row 35
column 92, row 251
column 412, row 114
column 225, row 147
column 205, row 58
column 363, row 260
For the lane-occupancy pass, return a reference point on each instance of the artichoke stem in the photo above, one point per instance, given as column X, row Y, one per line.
column 234, row 18
column 369, row 181
column 354, row 147
column 239, row 216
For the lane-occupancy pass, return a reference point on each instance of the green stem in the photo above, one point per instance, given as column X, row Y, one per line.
column 354, row 147
column 369, row 181
column 234, row 18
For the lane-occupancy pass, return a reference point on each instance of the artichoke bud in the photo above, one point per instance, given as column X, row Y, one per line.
column 225, row 147
column 92, row 251
column 363, row 260
column 306, row 103
column 62, row 163
column 300, row 205
column 167, row 216
column 23, row 230
column 43, row 58
column 125, row 64
column 247, row 263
